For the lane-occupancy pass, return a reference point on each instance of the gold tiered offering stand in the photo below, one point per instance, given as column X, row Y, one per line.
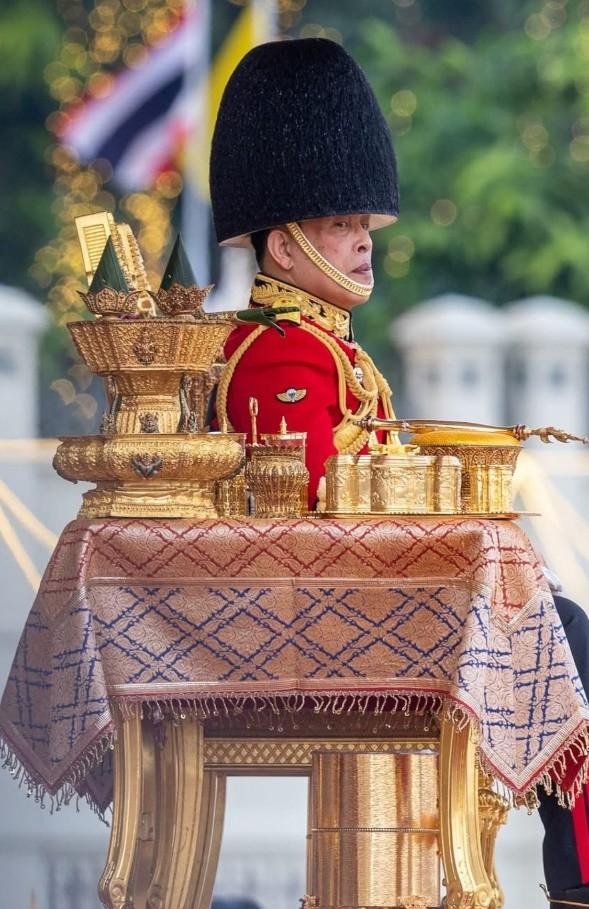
column 150, row 460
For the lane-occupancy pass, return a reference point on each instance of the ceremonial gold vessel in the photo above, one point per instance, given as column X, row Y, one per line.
column 488, row 462
column 277, row 479
column 393, row 484
column 487, row 456
column 152, row 457
column 161, row 475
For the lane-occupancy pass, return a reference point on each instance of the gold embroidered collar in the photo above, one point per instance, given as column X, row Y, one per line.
column 268, row 291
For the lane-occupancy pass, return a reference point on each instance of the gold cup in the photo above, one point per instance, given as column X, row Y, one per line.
column 488, row 462
column 341, row 484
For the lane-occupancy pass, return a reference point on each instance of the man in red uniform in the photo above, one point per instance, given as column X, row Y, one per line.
column 302, row 165
column 322, row 175
column 314, row 374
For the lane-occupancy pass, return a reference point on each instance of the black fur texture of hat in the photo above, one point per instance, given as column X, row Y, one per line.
column 299, row 135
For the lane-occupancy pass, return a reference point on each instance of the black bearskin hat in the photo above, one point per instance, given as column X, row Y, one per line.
column 299, row 135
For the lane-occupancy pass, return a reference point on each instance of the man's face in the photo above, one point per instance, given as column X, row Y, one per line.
column 344, row 240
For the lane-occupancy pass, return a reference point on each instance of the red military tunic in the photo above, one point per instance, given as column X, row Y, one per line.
column 314, row 376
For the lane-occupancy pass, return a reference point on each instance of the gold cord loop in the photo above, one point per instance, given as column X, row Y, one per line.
column 227, row 374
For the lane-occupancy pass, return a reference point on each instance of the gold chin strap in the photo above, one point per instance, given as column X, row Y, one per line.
column 355, row 287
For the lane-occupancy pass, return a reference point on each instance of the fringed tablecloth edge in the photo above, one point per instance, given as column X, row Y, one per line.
column 210, row 704
column 70, row 786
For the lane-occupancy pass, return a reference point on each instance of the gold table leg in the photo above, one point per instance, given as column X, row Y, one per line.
column 167, row 819
column 115, row 884
column 373, row 831
column 467, row 882
column 210, row 832
column 493, row 811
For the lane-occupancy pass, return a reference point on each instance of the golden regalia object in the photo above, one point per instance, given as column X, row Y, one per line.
column 152, row 457
column 447, row 468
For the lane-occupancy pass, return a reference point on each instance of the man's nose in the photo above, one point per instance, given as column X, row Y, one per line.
column 364, row 240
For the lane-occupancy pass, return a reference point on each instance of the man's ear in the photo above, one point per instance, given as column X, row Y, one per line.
column 279, row 248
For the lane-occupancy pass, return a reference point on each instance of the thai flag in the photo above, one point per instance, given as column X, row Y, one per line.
column 141, row 126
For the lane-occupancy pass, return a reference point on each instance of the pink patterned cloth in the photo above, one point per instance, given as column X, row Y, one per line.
column 160, row 611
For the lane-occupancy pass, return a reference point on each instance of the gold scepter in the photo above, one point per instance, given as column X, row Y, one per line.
column 520, row 431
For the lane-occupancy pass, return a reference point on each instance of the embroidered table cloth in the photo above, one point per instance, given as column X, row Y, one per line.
column 341, row 613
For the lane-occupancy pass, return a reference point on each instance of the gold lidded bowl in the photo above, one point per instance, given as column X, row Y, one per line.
column 487, row 460
column 341, row 484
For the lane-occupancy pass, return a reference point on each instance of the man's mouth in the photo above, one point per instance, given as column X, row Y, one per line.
column 364, row 269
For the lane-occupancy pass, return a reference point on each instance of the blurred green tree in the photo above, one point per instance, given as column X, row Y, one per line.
column 492, row 139
column 30, row 33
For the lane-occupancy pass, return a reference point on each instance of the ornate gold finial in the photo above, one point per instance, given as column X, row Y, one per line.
column 547, row 434
column 253, row 409
column 283, row 429
column 179, row 294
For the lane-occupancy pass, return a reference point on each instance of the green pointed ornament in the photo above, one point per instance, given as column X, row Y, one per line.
column 265, row 315
column 109, row 272
column 178, row 270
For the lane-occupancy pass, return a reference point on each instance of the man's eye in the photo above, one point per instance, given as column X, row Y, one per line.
column 341, row 223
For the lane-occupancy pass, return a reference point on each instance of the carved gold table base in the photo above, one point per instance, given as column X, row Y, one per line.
column 384, row 807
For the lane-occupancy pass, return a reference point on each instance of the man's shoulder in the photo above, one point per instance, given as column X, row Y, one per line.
column 294, row 342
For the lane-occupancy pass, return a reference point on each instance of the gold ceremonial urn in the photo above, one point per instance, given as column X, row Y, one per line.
column 152, row 457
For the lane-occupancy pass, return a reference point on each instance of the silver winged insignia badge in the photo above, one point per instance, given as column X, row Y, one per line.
column 291, row 395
